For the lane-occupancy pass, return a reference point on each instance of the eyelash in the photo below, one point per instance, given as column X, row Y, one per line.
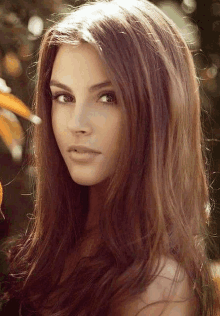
column 55, row 97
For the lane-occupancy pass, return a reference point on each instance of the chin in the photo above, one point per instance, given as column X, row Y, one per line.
column 87, row 175
column 86, row 181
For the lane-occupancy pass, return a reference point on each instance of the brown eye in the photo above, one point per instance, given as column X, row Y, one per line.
column 63, row 98
column 108, row 98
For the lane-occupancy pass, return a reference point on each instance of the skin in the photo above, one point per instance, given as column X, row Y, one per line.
column 83, row 117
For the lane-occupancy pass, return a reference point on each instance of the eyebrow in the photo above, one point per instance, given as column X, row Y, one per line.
column 91, row 89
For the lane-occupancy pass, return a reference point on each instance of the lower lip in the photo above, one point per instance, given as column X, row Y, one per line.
column 88, row 156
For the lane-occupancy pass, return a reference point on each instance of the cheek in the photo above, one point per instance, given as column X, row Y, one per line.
column 54, row 125
column 113, row 139
column 57, row 126
column 116, row 132
column 53, row 118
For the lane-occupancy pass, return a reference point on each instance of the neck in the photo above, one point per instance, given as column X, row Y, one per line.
column 96, row 201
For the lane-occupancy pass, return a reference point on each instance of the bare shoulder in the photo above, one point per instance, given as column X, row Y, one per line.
column 161, row 289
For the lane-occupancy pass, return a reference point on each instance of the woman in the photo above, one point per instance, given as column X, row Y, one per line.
column 120, row 226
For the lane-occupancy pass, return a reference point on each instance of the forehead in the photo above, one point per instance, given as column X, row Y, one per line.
column 81, row 62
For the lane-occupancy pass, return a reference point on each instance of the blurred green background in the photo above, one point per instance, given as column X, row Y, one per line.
column 22, row 24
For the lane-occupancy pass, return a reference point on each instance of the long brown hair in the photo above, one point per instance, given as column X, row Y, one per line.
column 158, row 197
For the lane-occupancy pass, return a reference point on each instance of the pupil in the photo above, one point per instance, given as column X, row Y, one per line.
column 110, row 98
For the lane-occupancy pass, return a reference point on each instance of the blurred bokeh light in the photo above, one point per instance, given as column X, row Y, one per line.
column 36, row 25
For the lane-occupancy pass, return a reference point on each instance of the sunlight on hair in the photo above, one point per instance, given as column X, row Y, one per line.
column 143, row 190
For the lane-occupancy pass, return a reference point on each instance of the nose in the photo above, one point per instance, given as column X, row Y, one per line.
column 79, row 120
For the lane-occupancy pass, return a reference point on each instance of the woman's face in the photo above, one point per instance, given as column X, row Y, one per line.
column 85, row 113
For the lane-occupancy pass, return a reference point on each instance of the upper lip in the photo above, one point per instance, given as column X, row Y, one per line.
column 74, row 147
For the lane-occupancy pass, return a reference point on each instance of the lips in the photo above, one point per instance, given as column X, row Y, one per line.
column 80, row 151
column 83, row 149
